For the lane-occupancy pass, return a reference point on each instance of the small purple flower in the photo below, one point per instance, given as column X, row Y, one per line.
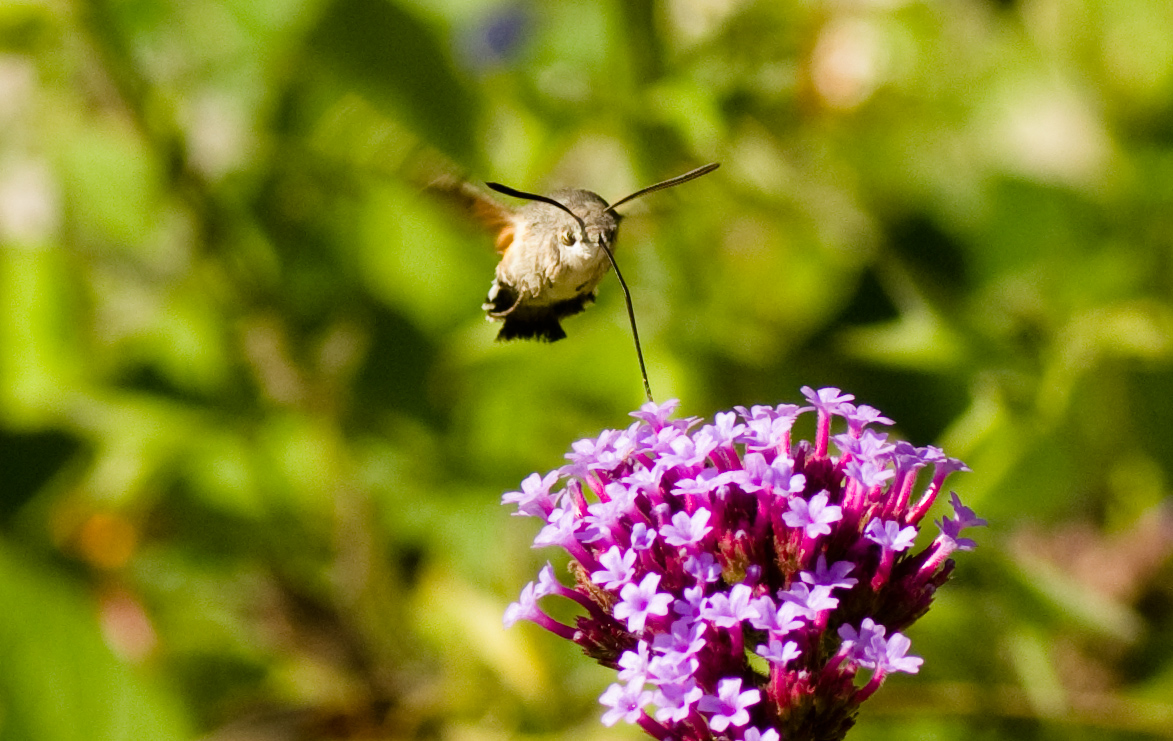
column 686, row 638
column 834, row 577
column 869, row 472
column 858, row 644
column 766, row 433
column 656, row 415
column 871, row 650
column 951, row 530
column 778, row 620
column 675, row 700
column 892, row 539
column 626, row 702
column 890, row 536
column 778, row 476
column 725, row 611
column 943, row 464
column 686, row 530
column 560, row 525
column 690, row 604
column 702, row 484
column 951, row 534
column 725, row 430
column 828, row 400
column 547, row 582
column 815, row 516
column 687, row 452
column 730, row 706
column 672, row 667
column 618, row 568
column 810, row 601
column 778, row 652
column 753, row 734
column 534, row 499
column 637, row 602
column 642, row 536
column 703, row 567
column 590, row 453
column 950, row 539
column 892, row 658
column 862, row 416
column 908, row 457
column 699, row 554
column 633, row 665
column 965, row 516
column 525, row 608
column 874, row 446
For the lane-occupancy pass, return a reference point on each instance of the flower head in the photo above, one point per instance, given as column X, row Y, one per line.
column 700, row 547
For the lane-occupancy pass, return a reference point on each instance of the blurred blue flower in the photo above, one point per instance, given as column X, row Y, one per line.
column 496, row 38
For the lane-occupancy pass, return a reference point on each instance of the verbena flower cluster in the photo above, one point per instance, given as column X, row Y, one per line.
column 738, row 581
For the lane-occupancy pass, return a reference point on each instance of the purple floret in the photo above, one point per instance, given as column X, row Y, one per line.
column 730, row 706
column 639, row 601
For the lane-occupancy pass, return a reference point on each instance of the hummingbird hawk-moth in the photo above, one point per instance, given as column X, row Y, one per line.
column 554, row 251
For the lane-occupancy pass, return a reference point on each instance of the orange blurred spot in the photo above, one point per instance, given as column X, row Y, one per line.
column 107, row 540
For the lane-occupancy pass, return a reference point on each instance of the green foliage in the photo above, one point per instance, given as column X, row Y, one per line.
column 254, row 428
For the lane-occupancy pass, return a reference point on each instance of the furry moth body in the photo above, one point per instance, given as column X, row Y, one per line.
column 554, row 251
column 552, row 266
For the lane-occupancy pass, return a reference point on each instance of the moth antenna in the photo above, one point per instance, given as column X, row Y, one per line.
column 639, row 353
column 535, row 197
column 690, row 175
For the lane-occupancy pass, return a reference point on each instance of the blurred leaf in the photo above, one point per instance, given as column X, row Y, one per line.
column 1078, row 603
column 30, row 460
column 113, row 179
column 1032, row 656
column 413, row 259
column 398, row 61
column 36, row 322
column 60, row 681
column 461, row 620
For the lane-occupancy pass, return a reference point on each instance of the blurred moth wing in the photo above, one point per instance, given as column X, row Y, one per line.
column 471, row 200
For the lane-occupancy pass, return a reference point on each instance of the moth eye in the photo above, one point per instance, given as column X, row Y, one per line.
column 567, row 237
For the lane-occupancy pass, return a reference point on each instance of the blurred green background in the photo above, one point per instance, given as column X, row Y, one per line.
column 254, row 428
